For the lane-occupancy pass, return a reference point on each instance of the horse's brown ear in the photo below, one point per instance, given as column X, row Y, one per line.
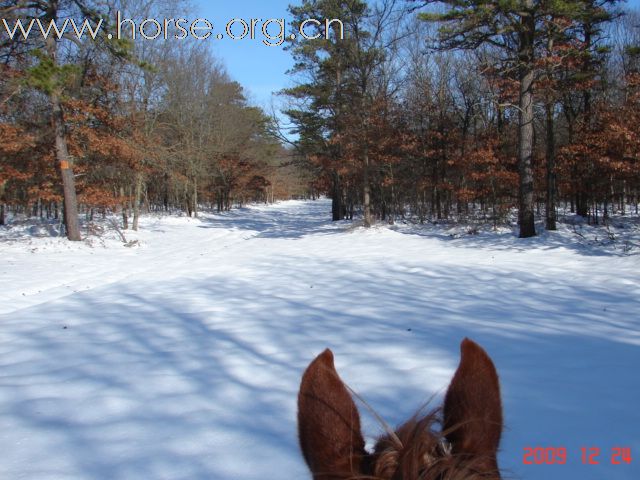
column 328, row 422
column 473, row 409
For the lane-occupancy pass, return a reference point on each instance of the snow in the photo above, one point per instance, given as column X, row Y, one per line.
column 180, row 356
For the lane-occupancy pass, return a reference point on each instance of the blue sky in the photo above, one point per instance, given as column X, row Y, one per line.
column 259, row 68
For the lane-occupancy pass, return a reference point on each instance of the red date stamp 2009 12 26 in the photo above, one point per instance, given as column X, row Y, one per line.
column 589, row 456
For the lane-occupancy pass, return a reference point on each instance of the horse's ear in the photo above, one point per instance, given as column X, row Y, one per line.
column 473, row 409
column 328, row 422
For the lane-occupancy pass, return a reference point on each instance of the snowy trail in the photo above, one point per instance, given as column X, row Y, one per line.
column 181, row 359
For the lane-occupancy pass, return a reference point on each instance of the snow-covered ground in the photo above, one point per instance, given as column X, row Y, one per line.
column 180, row 357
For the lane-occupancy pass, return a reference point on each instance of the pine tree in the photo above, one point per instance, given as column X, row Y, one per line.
column 327, row 93
column 341, row 92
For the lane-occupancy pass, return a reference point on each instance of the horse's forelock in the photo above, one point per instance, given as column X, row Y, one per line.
column 424, row 454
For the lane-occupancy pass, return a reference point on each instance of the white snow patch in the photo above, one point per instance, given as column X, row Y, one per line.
column 181, row 358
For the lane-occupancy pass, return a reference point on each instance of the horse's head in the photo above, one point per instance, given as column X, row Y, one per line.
column 464, row 448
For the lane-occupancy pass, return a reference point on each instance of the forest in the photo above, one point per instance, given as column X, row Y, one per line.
column 420, row 111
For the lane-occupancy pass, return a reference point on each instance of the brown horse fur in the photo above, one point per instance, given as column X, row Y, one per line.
column 464, row 448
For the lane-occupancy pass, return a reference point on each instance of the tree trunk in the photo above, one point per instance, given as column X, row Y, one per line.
column 65, row 163
column 188, row 205
column 125, row 213
column 2, row 220
column 582, row 202
column 336, row 198
column 366, row 190
column 551, row 166
column 227, row 198
column 583, row 199
column 71, row 220
column 526, row 219
column 195, row 197
column 137, row 199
